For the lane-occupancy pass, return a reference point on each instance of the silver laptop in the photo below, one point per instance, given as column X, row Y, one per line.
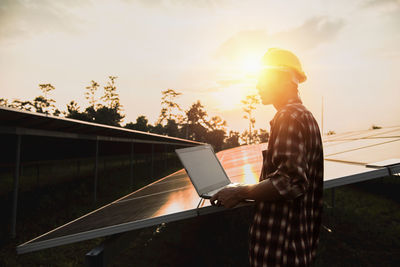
column 204, row 169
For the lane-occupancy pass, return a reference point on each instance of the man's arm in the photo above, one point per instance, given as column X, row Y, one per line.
column 288, row 181
column 231, row 196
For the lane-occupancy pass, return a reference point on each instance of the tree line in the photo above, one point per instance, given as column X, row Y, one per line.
column 193, row 123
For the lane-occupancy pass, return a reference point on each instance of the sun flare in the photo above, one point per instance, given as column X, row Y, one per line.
column 251, row 65
column 228, row 98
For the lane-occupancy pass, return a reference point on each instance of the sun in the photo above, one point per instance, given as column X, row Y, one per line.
column 244, row 74
column 251, row 65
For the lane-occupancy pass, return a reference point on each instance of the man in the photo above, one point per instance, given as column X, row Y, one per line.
column 287, row 217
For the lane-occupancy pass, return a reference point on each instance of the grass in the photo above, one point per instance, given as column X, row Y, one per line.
column 53, row 202
column 365, row 224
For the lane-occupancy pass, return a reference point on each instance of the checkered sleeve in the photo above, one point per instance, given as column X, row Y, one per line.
column 289, row 158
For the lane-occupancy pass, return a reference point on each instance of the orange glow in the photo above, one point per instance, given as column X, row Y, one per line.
column 244, row 73
column 178, row 201
column 229, row 98
column 250, row 176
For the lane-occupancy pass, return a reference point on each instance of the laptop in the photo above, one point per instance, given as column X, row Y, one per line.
column 204, row 170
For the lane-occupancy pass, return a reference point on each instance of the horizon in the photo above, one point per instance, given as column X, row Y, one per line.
column 202, row 50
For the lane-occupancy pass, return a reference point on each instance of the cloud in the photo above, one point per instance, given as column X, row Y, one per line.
column 185, row 3
column 310, row 34
column 390, row 9
column 374, row 3
column 229, row 82
column 21, row 18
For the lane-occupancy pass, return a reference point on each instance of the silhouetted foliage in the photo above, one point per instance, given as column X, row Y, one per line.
column 197, row 122
column 157, row 129
column 111, row 97
column 23, row 105
column 109, row 114
column 232, row 140
column 44, row 104
column 90, row 93
column 249, row 104
column 168, row 104
column 172, row 128
column 192, row 124
column 263, row 136
column 140, row 125
column 73, row 112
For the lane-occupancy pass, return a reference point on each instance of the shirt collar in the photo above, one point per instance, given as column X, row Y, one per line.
column 292, row 100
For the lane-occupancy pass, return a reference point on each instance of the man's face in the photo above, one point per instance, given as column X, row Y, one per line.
column 269, row 86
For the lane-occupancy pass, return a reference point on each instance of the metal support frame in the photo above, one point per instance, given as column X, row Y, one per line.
column 152, row 161
column 165, row 157
column 36, row 132
column 96, row 171
column 108, row 250
column 78, row 167
column 95, row 257
column 16, row 182
column 131, row 166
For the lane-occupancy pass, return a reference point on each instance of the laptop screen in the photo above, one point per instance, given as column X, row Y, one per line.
column 203, row 168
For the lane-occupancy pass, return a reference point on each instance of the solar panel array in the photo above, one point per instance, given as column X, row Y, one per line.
column 15, row 121
column 174, row 198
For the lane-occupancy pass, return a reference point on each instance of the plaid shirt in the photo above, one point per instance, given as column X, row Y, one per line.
column 285, row 233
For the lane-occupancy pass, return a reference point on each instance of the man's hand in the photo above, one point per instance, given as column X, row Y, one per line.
column 228, row 197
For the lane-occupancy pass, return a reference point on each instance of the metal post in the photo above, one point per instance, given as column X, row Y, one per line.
column 96, row 171
column 95, row 257
column 78, row 168
column 165, row 158
column 37, row 175
column 131, row 166
column 152, row 161
column 16, row 182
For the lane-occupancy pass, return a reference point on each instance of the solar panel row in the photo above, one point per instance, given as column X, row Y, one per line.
column 174, row 198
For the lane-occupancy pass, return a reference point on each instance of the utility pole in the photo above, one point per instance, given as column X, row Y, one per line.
column 322, row 116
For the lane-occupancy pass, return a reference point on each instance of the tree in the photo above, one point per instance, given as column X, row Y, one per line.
column 197, row 122
column 140, row 125
column 90, row 93
column 109, row 116
column 217, row 133
column 249, row 104
column 217, row 123
column 4, row 102
column 168, row 104
column 46, row 88
column 244, row 137
column 216, row 138
column 73, row 112
column 23, row 105
column 232, row 140
column 157, row 129
column 171, row 128
column 111, row 97
column 42, row 103
column 263, row 136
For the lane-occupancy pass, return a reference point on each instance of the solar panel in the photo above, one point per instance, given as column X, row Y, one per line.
column 340, row 147
column 174, row 198
column 372, row 153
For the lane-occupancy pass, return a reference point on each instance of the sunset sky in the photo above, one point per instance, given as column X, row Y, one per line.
column 207, row 50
